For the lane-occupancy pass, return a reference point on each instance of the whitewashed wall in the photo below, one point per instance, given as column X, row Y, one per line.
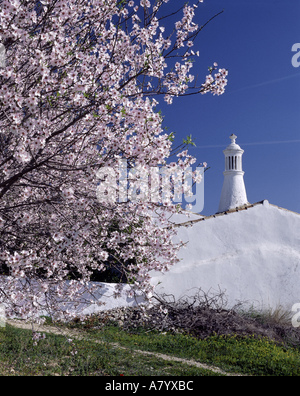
column 253, row 255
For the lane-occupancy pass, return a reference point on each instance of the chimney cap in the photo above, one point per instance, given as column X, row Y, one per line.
column 233, row 145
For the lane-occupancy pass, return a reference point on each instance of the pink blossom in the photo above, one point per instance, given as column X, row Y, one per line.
column 73, row 103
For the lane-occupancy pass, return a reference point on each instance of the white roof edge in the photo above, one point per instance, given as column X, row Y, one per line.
column 264, row 202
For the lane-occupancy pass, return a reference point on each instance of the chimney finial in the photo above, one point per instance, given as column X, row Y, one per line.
column 232, row 137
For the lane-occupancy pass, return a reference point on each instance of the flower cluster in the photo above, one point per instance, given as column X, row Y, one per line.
column 217, row 83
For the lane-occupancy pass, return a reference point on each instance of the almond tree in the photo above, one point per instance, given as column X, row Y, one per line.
column 79, row 91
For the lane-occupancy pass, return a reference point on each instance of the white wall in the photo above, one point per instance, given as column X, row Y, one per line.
column 253, row 255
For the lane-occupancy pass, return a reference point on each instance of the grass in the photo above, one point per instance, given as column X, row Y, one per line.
column 248, row 355
column 53, row 355
column 271, row 317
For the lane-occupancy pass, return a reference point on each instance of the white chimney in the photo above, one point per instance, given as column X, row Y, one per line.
column 233, row 192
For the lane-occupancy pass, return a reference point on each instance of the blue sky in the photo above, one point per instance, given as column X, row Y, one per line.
column 253, row 39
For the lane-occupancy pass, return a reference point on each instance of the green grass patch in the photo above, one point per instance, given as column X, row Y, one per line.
column 241, row 354
column 53, row 356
